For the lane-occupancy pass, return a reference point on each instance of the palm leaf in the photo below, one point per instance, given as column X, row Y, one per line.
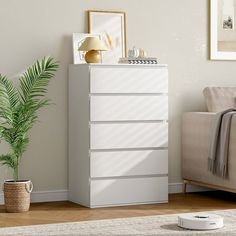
column 8, row 99
column 34, row 82
column 8, row 160
column 10, row 91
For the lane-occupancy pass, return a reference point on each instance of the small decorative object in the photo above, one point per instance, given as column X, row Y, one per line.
column 78, row 39
column 111, row 25
column 18, row 114
column 200, row 221
column 92, row 46
column 137, row 52
column 223, row 31
column 134, row 52
column 142, row 53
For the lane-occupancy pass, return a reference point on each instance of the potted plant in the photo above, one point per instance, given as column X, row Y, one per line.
column 18, row 114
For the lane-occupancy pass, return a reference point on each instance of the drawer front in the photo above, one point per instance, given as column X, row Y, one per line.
column 115, row 108
column 128, row 135
column 129, row 191
column 128, row 163
column 133, row 79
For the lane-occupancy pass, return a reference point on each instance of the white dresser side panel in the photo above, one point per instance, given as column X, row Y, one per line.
column 79, row 165
column 129, row 191
column 116, row 108
column 129, row 163
column 129, row 135
column 129, row 79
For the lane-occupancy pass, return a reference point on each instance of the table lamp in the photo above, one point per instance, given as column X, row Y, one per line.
column 93, row 46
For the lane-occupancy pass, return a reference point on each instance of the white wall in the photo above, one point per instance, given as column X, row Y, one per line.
column 174, row 31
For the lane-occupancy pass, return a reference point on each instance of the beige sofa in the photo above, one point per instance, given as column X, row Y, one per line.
column 196, row 128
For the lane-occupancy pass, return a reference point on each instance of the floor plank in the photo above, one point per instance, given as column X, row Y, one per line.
column 57, row 212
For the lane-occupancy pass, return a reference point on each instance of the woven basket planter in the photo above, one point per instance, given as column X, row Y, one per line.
column 17, row 195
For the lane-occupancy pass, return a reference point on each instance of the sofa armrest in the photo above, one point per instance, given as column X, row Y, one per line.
column 196, row 131
column 196, row 128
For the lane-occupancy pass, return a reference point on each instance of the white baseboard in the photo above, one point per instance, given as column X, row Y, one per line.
column 178, row 188
column 49, row 196
column 62, row 195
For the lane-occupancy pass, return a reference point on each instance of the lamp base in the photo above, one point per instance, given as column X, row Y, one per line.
column 93, row 56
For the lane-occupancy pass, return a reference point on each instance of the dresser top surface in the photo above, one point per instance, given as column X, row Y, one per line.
column 118, row 65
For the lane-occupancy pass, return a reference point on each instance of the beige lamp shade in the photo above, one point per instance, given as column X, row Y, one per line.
column 92, row 43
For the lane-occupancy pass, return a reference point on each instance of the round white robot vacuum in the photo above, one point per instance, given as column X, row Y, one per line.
column 201, row 221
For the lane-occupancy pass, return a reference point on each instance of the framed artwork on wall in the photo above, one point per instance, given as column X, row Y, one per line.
column 111, row 25
column 78, row 39
column 222, row 30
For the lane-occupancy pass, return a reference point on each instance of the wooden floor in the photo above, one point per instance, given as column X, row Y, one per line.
column 56, row 212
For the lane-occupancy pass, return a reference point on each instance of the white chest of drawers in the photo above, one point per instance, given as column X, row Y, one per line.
column 118, row 134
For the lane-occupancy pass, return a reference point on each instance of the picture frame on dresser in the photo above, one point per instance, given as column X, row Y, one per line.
column 77, row 40
column 111, row 25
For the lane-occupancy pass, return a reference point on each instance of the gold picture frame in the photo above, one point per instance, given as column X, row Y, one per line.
column 102, row 23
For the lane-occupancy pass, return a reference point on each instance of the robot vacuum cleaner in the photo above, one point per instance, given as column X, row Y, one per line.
column 201, row 221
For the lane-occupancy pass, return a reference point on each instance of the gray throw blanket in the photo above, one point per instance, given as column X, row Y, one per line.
column 219, row 143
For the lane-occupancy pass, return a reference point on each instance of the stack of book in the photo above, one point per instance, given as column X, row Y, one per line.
column 138, row 60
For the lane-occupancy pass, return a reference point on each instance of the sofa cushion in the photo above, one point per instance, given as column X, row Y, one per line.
column 220, row 98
